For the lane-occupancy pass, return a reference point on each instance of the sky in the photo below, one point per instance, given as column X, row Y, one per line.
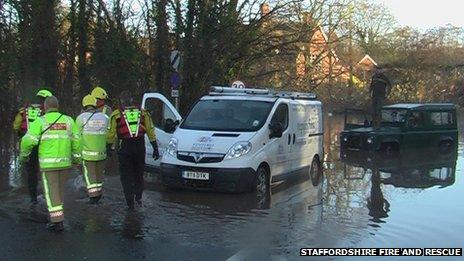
column 424, row 14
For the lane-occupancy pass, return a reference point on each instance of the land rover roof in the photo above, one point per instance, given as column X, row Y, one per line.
column 421, row 106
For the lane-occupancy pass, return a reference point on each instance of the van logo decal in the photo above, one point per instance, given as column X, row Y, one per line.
column 205, row 139
column 197, row 156
column 202, row 146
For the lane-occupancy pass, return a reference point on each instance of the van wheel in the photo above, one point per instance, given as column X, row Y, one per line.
column 262, row 183
column 315, row 173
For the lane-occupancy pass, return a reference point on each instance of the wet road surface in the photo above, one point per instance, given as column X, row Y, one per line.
column 408, row 201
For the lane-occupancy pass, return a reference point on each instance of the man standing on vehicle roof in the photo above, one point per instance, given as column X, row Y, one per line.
column 130, row 123
column 93, row 127
column 380, row 88
column 102, row 96
column 57, row 138
column 24, row 118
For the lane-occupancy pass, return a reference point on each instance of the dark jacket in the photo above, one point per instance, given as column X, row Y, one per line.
column 380, row 85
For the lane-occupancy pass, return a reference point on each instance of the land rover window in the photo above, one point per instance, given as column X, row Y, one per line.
column 416, row 119
column 441, row 118
column 228, row 115
column 281, row 115
column 394, row 115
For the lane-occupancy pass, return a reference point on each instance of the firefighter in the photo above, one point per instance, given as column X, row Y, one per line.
column 93, row 127
column 57, row 138
column 130, row 123
column 380, row 88
column 24, row 118
column 102, row 96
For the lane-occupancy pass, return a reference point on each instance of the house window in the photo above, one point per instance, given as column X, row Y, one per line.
column 313, row 58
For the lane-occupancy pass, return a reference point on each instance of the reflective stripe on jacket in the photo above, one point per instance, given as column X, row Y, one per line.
column 58, row 146
column 119, row 128
column 93, row 135
column 130, row 124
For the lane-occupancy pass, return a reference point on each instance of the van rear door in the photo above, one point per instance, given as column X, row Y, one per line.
column 161, row 110
column 307, row 129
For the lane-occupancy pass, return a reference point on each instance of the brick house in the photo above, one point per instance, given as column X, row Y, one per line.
column 322, row 63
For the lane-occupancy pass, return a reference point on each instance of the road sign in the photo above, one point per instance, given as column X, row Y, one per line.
column 175, row 93
column 238, row 84
column 175, row 80
column 175, row 60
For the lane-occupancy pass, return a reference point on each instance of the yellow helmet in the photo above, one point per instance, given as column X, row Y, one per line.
column 99, row 93
column 89, row 100
column 44, row 93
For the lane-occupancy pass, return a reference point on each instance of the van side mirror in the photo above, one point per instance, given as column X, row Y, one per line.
column 276, row 129
column 170, row 125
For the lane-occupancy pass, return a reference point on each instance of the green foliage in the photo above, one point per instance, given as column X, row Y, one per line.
column 116, row 60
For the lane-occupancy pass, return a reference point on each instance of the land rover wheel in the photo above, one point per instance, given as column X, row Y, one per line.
column 390, row 148
column 315, row 172
column 262, row 181
column 445, row 146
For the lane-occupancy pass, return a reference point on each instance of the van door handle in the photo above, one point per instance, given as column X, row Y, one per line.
column 294, row 137
column 289, row 139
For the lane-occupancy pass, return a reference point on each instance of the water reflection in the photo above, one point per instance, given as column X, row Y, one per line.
column 132, row 226
column 420, row 169
column 195, row 203
column 417, row 169
column 376, row 203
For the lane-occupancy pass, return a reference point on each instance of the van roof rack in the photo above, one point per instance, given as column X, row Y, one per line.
column 222, row 90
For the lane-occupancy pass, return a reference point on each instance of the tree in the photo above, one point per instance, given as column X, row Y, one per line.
column 82, row 24
column 372, row 23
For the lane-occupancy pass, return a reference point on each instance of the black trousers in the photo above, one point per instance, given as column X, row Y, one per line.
column 377, row 103
column 131, row 166
column 32, row 172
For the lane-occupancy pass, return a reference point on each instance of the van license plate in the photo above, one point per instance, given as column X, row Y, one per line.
column 195, row 175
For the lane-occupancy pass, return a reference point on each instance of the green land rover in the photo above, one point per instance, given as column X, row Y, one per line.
column 404, row 127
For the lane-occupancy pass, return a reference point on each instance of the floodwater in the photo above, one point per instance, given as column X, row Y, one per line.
column 412, row 200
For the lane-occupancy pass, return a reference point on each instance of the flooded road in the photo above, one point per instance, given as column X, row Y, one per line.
column 410, row 200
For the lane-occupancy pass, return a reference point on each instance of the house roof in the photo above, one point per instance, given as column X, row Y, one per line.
column 368, row 59
column 326, row 39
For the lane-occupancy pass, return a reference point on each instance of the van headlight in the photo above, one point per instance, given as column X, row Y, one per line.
column 239, row 149
column 171, row 149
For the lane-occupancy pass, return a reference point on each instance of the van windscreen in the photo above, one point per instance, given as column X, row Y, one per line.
column 228, row 115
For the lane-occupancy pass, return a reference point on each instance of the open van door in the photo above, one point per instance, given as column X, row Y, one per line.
column 163, row 115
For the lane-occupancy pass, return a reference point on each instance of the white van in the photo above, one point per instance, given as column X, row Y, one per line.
column 238, row 139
